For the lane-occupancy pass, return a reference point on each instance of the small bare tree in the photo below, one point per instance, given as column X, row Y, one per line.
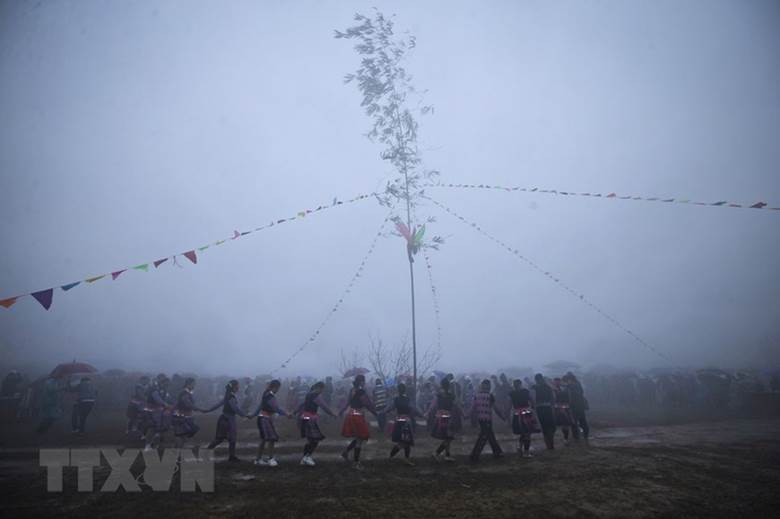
column 348, row 361
column 388, row 362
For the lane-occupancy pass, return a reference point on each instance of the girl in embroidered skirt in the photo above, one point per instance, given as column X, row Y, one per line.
column 523, row 419
column 159, row 416
column 265, row 424
column 355, row 424
column 184, row 425
column 309, row 421
column 562, row 410
column 226, row 424
column 442, row 409
column 403, row 432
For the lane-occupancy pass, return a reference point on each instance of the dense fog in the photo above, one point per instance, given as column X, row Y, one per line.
column 133, row 131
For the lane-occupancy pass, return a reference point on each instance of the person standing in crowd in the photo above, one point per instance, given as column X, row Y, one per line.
column 86, row 394
column 159, row 411
column 11, row 396
column 545, row 399
column 309, row 421
column 523, row 419
column 292, row 394
column 579, row 404
column 502, row 394
column 136, row 408
column 248, row 401
column 482, row 408
column 469, row 392
column 226, row 424
column 403, row 432
column 426, row 396
column 51, row 405
column 182, row 419
column 355, row 424
column 268, row 408
column 442, row 409
column 380, row 402
column 301, row 390
column 328, row 391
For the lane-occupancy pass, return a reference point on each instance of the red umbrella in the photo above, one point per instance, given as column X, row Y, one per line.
column 71, row 368
column 356, row 371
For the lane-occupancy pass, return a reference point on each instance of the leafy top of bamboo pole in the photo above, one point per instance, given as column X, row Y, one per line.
column 393, row 104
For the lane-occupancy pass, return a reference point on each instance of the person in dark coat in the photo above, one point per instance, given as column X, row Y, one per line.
column 403, row 432
column 50, row 405
column 86, row 394
column 579, row 404
column 545, row 399
column 226, row 424
column 137, row 408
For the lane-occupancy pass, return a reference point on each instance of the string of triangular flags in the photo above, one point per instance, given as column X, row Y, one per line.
column 550, row 276
column 45, row 297
column 612, row 195
column 347, row 290
column 435, row 296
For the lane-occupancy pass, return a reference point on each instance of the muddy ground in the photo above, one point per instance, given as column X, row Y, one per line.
column 704, row 469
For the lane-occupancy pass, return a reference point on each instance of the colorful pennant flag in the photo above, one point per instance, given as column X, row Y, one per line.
column 44, row 297
column 190, row 255
column 8, row 303
column 719, row 203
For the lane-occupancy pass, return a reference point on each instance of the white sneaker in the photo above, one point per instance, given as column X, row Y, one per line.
column 262, row 462
column 273, row 463
column 307, row 461
column 147, row 448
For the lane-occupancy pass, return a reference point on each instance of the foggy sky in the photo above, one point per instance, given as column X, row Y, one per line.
column 130, row 131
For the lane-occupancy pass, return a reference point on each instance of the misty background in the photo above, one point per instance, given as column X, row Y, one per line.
column 132, row 131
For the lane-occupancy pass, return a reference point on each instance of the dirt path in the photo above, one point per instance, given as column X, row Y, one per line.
column 726, row 469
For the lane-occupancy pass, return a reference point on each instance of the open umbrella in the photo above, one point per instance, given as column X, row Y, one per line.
column 355, row 371
column 72, row 368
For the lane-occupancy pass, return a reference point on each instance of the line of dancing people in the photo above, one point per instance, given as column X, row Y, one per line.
column 541, row 408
